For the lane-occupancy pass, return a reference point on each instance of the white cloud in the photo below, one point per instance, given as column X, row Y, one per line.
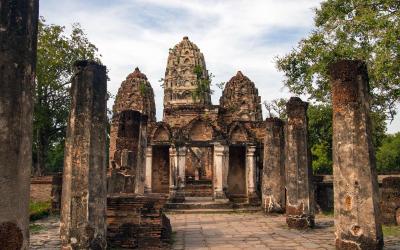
column 233, row 35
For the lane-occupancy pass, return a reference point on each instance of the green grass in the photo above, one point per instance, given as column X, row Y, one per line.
column 391, row 231
column 328, row 213
column 35, row 228
column 38, row 210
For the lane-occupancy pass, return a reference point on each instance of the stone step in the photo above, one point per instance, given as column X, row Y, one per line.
column 214, row 211
column 199, row 190
column 193, row 205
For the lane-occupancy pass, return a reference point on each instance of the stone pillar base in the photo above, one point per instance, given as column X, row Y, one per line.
column 176, row 196
column 253, row 199
column 358, row 242
column 303, row 221
column 220, row 196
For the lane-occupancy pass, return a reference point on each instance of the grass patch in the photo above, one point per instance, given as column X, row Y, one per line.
column 391, row 231
column 328, row 213
column 35, row 228
column 39, row 209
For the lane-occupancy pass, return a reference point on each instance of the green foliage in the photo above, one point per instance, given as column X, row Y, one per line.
column 276, row 108
column 143, row 88
column 393, row 231
column 56, row 53
column 221, row 85
column 39, row 209
column 320, row 137
column 203, row 84
column 367, row 30
column 388, row 155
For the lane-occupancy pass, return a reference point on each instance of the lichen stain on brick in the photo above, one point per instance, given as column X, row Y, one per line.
column 11, row 237
column 348, row 204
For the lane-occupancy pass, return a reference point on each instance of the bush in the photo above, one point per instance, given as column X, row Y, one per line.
column 388, row 155
column 39, row 209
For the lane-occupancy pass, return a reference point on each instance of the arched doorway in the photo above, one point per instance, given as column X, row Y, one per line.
column 237, row 188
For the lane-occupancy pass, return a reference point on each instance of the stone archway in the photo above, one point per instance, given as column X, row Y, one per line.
column 160, row 169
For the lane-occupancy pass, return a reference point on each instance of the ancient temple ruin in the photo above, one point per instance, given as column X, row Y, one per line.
column 199, row 148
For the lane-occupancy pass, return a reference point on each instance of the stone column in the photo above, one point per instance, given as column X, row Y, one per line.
column 84, row 194
column 356, row 194
column 149, row 161
column 273, row 176
column 251, row 173
column 18, row 35
column 181, row 153
column 141, row 158
column 225, row 168
column 173, row 173
column 300, row 192
column 219, row 169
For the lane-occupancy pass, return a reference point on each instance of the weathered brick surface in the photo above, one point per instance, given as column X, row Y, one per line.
column 136, row 221
column 240, row 99
column 137, row 94
column 390, row 201
column 128, row 142
column 300, row 192
column 273, row 176
column 18, row 35
column 357, row 213
column 84, row 193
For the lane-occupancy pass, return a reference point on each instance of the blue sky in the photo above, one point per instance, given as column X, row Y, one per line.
column 232, row 34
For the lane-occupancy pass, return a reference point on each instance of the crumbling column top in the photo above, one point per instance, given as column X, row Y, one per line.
column 295, row 107
column 80, row 64
column 345, row 84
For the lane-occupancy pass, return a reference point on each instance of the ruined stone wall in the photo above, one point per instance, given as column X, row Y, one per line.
column 390, row 201
column 18, row 36
column 137, row 222
column 128, row 139
column 357, row 212
column 84, row 188
column 178, row 117
column 240, row 100
column 300, row 192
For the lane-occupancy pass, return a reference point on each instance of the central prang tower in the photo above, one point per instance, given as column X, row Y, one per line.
column 180, row 78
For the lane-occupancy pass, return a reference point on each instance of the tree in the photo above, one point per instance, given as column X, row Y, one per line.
column 368, row 30
column 276, row 108
column 203, row 85
column 56, row 53
column 388, row 155
column 320, row 137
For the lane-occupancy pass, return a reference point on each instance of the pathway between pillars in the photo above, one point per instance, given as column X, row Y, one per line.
column 224, row 231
